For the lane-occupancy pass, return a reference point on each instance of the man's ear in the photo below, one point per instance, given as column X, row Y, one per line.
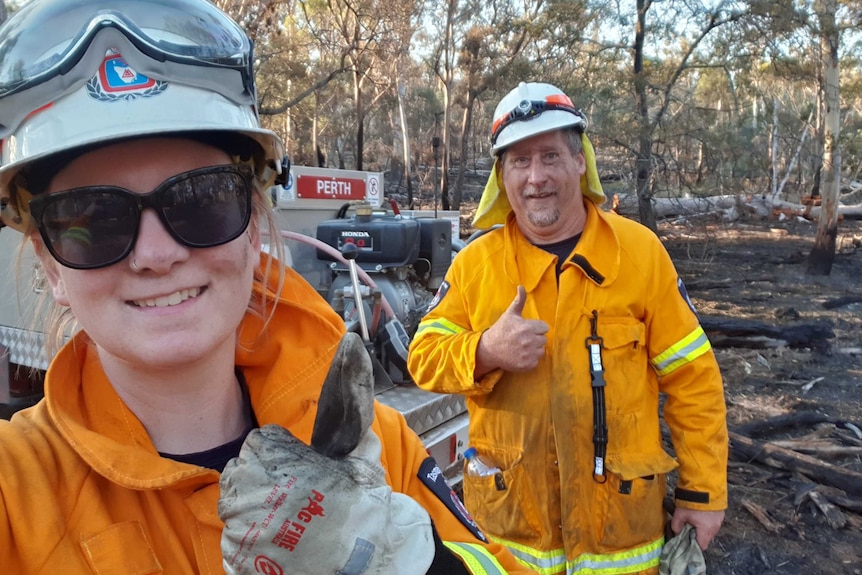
column 51, row 269
column 581, row 162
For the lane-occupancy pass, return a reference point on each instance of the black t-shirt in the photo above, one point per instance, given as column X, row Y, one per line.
column 561, row 249
column 217, row 457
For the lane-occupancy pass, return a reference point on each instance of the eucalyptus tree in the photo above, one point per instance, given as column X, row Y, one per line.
column 664, row 43
column 297, row 68
column 822, row 254
column 257, row 18
column 824, row 23
column 325, row 64
column 477, row 45
column 442, row 62
column 372, row 34
column 499, row 38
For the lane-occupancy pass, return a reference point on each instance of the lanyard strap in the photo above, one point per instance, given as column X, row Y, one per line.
column 594, row 346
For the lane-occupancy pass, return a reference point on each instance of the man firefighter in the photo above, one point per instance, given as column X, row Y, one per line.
column 562, row 327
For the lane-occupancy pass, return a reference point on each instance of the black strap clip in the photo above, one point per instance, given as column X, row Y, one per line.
column 594, row 345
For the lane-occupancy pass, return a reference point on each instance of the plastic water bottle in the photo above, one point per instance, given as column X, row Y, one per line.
column 478, row 465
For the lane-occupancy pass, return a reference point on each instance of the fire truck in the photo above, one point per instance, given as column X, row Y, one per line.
column 377, row 265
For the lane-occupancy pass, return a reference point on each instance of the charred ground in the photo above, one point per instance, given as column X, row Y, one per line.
column 756, row 271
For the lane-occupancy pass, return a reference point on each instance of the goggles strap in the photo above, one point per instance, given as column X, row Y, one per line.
column 529, row 109
column 234, row 83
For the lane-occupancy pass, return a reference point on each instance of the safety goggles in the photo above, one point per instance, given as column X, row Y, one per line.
column 52, row 47
column 529, row 109
column 97, row 226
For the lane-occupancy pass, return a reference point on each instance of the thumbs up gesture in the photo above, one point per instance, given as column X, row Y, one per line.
column 513, row 343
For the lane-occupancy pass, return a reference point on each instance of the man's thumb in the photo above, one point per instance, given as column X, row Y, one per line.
column 517, row 306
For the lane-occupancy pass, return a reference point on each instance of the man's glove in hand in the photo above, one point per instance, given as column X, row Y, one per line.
column 292, row 509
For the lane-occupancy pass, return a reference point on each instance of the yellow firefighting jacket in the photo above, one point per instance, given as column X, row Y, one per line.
column 538, row 426
column 84, row 491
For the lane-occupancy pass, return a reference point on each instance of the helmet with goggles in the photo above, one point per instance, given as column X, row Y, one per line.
column 77, row 74
column 531, row 109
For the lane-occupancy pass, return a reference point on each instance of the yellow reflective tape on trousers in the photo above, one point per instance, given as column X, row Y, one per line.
column 554, row 562
column 476, row 558
column 631, row 561
column 441, row 326
column 684, row 351
column 543, row 562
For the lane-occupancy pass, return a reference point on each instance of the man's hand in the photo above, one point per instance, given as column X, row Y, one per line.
column 325, row 509
column 706, row 523
column 513, row 343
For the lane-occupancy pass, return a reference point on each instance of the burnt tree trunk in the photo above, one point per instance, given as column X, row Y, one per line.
column 822, row 255
column 643, row 162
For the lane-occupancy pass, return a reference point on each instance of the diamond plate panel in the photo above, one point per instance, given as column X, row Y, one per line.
column 25, row 347
column 422, row 409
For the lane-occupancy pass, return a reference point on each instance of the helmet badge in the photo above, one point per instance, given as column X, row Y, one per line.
column 116, row 80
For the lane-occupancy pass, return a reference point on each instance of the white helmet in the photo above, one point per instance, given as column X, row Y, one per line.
column 74, row 74
column 530, row 109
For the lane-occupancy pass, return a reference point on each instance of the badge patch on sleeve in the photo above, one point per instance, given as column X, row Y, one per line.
column 684, row 295
column 431, row 475
column 441, row 293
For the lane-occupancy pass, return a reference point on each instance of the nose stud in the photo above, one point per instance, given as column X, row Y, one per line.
column 134, row 266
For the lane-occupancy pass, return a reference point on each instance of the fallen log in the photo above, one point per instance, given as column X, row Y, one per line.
column 793, row 420
column 704, row 285
column 832, row 494
column 846, row 502
column 820, row 449
column 774, row 456
column 627, row 205
column 851, row 212
column 729, row 207
column 834, row 516
column 841, row 301
column 732, row 332
column 761, row 515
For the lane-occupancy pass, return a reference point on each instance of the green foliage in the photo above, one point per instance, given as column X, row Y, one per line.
column 712, row 94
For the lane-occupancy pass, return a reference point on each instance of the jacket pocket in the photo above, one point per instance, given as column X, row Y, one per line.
column 625, row 361
column 634, row 515
column 121, row 549
column 636, row 487
column 511, row 512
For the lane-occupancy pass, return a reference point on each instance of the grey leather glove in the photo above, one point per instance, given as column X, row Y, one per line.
column 325, row 509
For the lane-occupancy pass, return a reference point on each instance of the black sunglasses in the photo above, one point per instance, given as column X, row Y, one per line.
column 97, row 226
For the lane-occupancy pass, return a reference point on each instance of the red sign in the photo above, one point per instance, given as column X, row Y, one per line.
column 328, row 188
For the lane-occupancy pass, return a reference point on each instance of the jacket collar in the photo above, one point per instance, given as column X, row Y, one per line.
column 597, row 254
column 284, row 369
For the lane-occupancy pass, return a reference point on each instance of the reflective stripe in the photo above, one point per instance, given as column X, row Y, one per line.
column 631, row 561
column 79, row 233
column 686, row 350
column 554, row 562
column 543, row 562
column 477, row 559
column 441, row 326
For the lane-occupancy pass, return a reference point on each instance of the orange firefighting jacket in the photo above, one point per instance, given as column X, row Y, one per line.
column 83, row 490
column 538, row 426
